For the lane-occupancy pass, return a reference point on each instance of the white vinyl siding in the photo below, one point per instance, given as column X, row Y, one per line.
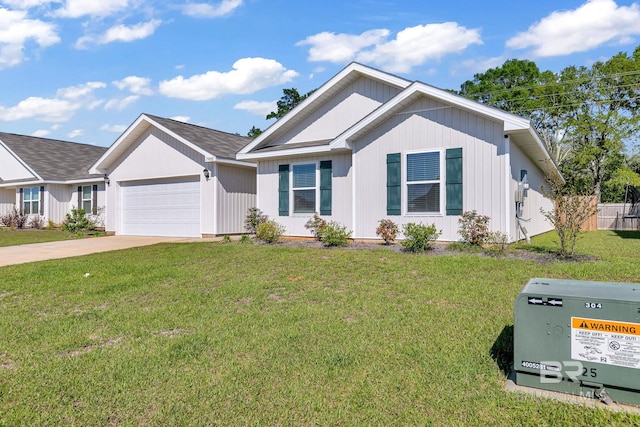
column 235, row 194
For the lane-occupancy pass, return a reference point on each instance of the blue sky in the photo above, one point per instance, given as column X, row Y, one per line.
column 83, row 70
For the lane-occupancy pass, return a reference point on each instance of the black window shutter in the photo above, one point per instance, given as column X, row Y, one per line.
column 21, row 207
column 94, row 196
column 454, row 181
column 80, row 197
column 42, row 200
column 394, row 192
column 325, row 187
column 283, row 190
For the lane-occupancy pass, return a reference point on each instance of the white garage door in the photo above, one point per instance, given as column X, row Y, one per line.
column 161, row 208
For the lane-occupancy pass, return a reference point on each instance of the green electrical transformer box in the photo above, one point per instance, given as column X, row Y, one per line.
column 579, row 337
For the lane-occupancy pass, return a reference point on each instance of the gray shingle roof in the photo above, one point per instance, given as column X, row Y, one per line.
column 218, row 143
column 52, row 159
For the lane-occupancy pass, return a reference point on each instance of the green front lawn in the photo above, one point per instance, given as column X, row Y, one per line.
column 24, row 237
column 229, row 334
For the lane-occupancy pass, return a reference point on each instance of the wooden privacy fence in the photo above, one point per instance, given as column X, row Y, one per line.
column 611, row 216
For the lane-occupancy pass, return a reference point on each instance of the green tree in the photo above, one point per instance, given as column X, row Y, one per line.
column 289, row 100
column 254, row 132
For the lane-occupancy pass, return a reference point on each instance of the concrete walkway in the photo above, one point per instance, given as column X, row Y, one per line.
column 21, row 254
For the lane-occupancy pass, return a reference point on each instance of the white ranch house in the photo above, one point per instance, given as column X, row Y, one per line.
column 368, row 145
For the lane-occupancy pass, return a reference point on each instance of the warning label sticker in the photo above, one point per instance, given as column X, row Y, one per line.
column 605, row 341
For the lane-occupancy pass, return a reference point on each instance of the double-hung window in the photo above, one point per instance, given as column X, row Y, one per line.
column 31, row 200
column 304, row 188
column 87, row 199
column 423, row 182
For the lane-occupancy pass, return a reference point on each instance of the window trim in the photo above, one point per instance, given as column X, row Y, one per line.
column 316, row 188
column 31, row 200
column 90, row 199
column 440, row 181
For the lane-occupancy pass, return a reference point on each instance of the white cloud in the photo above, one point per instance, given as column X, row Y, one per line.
column 341, row 48
column 41, row 133
column 592, row 24
column 120, row 103
column 412, row 46
column 75, row 133
column 16, row 30
column 93, row 8
column 45, row 109
column 58, row 109
column 80, row 91
column 184, row 119
column 257, row 107
column 248, row 75
column 120, row 33
column 206, row 10
column 114, row 128
column 135, row 84
column 27, row 4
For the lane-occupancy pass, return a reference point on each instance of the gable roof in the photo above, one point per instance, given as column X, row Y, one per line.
column 214, row 145
column 338, row 82
column 53, row 160
column 519, row 129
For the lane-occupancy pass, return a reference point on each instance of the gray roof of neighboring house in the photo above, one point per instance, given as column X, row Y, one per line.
column 54, row 160
column 218, row 143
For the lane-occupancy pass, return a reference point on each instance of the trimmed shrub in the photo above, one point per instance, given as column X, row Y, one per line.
column 270, row 231
column 334, row 234
column 419, row 237
column 77, row 221
column 315, row 225
column 387, row 231
column 254, row 218
column 473, row 228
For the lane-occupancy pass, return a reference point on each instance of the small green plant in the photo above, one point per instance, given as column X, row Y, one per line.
column 77, row 221
column 226, row 239
column 473, row 228
column 419, row 237
column 245, row 239
column 498, row 241
column 334, row 234
column 270, row 231
column 315, row 225
column 254, row 218
column 36, row 222
column 51, row 225
column 387, row 230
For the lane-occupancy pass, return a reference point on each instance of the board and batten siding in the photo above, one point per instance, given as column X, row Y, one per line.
column 432, row 125
column 341, row 192
column 534, row 200
column 344, row 109
column 235, row 194
column 59, row 201
column 7, row 200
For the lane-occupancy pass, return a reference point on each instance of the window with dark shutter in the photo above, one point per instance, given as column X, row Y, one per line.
column 42, row 200
column 394, row 190
column 326, row 172
column 454, row 181
column 283, row 190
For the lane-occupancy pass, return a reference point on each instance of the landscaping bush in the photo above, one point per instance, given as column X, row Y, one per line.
column 254, row 218
column 315, row 225
column 334, row 234
column 419, row 237
column 36, row 222
column 269, row 231
column 245, row 239
column 14, row 219
column 77, row 221
column 226, row 239
column 387, row 231
column 473, row 228
column 498, row 241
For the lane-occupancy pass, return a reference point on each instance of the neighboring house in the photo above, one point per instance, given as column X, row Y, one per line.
column 169, row 178
column 47, row 177
column 369, row 145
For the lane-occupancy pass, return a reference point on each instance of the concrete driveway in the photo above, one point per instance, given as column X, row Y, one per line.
column 21, row 254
